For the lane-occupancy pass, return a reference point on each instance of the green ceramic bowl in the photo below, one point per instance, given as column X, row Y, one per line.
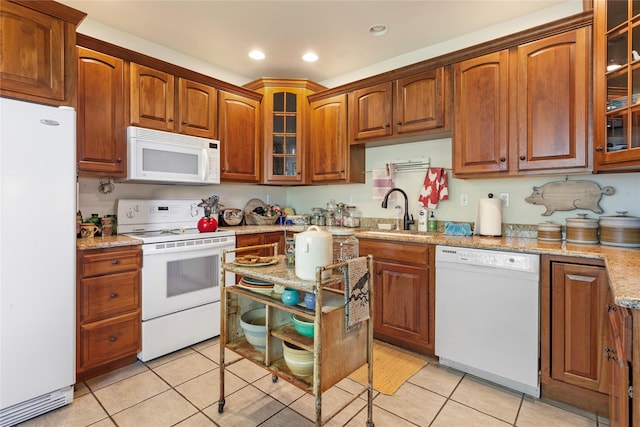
column 303, row 326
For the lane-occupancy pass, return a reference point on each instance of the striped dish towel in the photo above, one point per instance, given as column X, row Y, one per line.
column 356, row 292
column 382, row 181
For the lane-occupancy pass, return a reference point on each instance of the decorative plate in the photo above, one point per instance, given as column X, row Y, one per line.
column 257, row 264
column 255, row 261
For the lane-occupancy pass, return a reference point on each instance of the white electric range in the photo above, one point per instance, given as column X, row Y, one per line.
column 181, row 272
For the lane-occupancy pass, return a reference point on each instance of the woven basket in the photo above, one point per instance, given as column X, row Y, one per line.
column 263, row 220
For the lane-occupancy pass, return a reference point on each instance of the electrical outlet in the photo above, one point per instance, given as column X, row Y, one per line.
column 505, row 199
column 464, row 199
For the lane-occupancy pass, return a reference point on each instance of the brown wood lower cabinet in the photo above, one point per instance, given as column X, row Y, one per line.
column 108, row 310
column 404, row 307
column 619, row 356
column 255, row 239
column 575, row 332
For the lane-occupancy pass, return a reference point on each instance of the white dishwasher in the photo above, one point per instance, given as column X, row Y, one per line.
column 487, row 315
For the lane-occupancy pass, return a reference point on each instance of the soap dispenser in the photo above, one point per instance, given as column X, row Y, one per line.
column 432, row 224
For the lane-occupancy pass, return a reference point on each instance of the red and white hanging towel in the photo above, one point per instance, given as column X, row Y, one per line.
column 434, row 188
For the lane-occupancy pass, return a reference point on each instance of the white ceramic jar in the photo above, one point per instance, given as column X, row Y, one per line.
column 314, row 248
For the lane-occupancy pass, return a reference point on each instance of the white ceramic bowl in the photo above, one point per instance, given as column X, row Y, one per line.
column 299, row 361
column 253, row 325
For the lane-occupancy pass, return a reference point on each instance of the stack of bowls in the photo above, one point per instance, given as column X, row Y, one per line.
column 299, row 361
column 253, row 325
column 582, row 230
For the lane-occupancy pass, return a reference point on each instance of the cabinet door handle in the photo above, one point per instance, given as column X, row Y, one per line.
column 170, row 120
column 379, row 272
column 184, row 122
column 112, row 339
column 502, row 159
column 113, row 295
column 599, row 148
column 115, row 262
column 399, row 123
column 387, row 125
column 523, row 158
column 119, row 160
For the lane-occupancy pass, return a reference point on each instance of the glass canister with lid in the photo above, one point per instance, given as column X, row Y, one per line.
column 345, row 244
column 351, row 217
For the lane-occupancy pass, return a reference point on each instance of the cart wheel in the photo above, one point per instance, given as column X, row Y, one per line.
column 274, row 378
column 220, row 406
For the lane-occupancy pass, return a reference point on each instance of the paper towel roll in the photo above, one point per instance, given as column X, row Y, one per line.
column 488, row 217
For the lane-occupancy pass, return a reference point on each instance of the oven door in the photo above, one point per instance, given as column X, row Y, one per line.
column 180, row 275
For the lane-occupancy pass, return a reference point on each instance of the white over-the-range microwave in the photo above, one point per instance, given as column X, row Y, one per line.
column 171, row 158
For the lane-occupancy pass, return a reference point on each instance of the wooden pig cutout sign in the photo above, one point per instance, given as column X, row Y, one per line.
column 569, row 195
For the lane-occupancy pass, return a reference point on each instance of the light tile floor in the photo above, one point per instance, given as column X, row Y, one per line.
column 182, row 389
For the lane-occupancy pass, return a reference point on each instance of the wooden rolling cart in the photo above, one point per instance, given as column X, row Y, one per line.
column 337, row 353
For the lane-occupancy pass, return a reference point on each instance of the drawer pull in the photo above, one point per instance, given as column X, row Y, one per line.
column 113, row 295
column 115, row 262
column 112, row 339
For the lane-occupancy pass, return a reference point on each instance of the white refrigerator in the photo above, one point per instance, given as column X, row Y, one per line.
column 37, row 258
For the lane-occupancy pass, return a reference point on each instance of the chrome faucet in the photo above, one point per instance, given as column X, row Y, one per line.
column 405, row 221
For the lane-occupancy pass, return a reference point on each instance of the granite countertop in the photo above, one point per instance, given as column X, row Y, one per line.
column 623, row 264
column 87, row 243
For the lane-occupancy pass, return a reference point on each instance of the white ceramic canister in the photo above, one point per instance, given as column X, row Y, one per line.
column 314, row 248
column 620, row 230
column 582, row 230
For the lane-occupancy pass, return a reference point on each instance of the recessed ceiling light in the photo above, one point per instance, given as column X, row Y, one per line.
column 256, row 54
column 310, row 57
column 378, row 30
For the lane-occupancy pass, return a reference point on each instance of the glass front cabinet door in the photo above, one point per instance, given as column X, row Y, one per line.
column 285, row 116
column 617, row 85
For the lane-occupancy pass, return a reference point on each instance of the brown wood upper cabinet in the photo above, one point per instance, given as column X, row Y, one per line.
column 412, row 105
column 240, row 146
column 331, row 158
column 285, row 121
column 37, row 46
column 101, row 141
column 617, row 86
column 524, row 110
column 153, row 103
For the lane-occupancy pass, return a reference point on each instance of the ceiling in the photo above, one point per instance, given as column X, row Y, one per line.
column 222, row 33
